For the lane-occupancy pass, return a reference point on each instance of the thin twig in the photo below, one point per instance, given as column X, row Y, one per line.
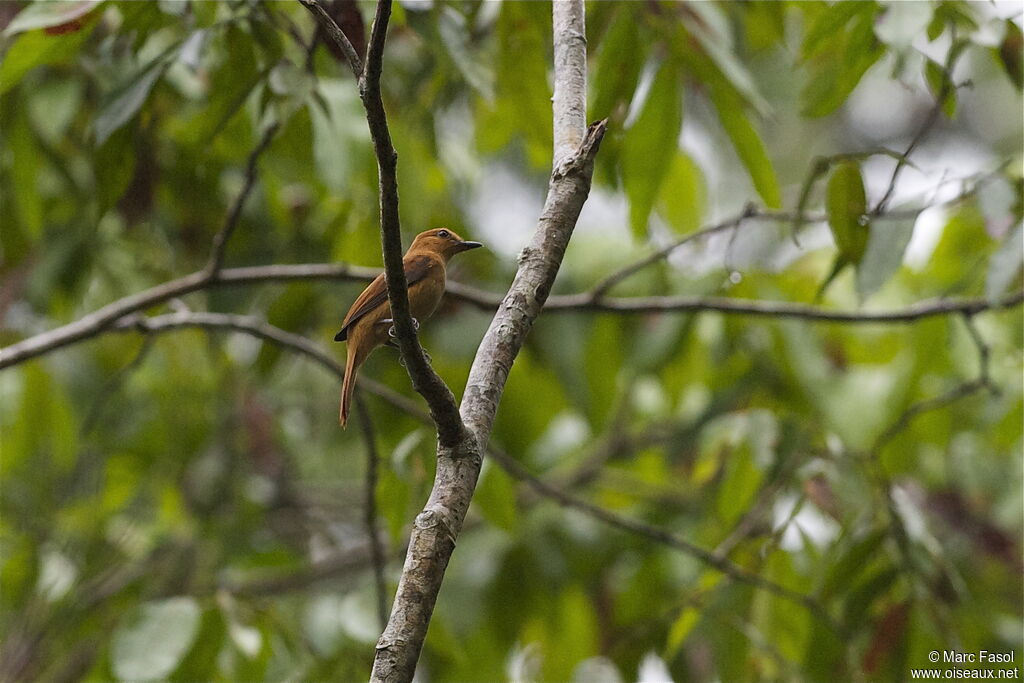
column 953, row 395
column 599, row 290
column 351, row 561
column 220, row 240
column 370, row 508
column 336, row 34
column 799, row 217
column 930, row 120
column 776, row 309
column 439, row 398
column 984, row 354
column 962, row 390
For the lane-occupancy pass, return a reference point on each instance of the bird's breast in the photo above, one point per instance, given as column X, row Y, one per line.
column 425, row 295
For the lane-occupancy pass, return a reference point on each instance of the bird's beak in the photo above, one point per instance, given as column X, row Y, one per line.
column 466, row 246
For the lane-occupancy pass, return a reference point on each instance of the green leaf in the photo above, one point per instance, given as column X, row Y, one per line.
column 680, row 630
column 714, row 34
column 650, row 144
column 748, row 145
column 887, row 242
column 48, row 14
column 43, row 431
column 451, row 26
column 522, row 106
column 620, row 59
column 152, row 639
column 824, row 657
column 936, row 26
column 124, row 102
column 231, row 85
column 1005, row 265
column 743, row 445
column 496, row 497
column 602, row 358
column 1011, row 53
column 830, row 22
column 294, row 309
column 114, row 164
column 851, row 563
column 25, row 175
column 860, row 598
column 683, row 195
column 964, row 234
column 846, row 205
column 842, row 66
column 37, row 48
column 739, row 486
column 938, row 80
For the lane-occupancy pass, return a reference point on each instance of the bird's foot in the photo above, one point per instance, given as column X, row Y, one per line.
column 391, row 330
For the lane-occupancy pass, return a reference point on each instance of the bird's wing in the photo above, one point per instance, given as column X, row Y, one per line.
column 376, row 293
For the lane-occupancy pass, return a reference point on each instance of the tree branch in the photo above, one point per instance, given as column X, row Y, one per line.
column 458, row 465
column 569, row 103
column 425, row 380
column 336, row 34
column 777, row 309
column 93, row 323
column 439, row 398
column 98, row 321
column 220, row 240
column 945, row 90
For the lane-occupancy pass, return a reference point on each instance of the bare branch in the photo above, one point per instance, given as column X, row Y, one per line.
column 777, row 309
column 337, row 35
column 984, row 354
column 570, row 97
column 798, row 217
column 538, row 266
column 952, row 396
column 360, row 558
column 955, row 51
column 95, row 323
column 439, row 398
column 220, row 240
column 458, row 465
column 750, row 211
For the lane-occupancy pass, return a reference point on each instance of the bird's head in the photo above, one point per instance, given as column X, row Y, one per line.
column 442, row 241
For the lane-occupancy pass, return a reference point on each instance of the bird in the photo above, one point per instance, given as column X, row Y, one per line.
column 368, row 323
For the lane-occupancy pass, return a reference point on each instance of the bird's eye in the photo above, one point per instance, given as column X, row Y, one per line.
column 444, row 234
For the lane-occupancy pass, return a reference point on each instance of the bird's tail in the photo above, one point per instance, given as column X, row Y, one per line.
column 351, row 368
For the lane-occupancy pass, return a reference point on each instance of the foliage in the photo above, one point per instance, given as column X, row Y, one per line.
column 182, row 505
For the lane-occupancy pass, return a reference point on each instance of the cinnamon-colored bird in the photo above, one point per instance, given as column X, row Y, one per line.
column 368, row 323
